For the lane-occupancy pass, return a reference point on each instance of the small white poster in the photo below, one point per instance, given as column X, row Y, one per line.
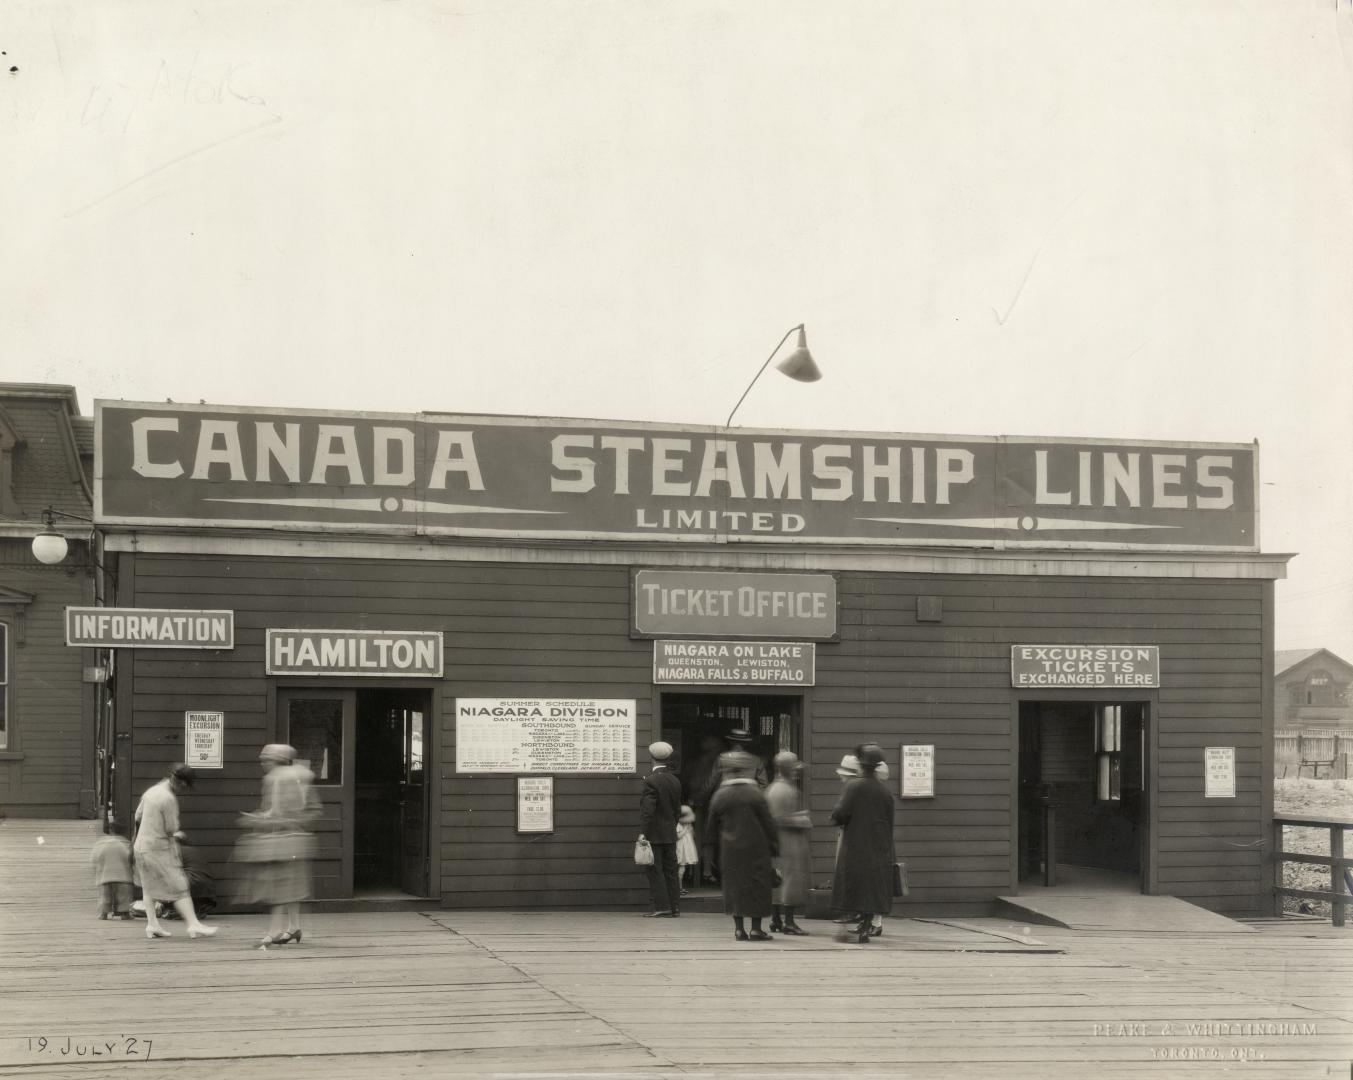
column 1220, row 772
column 204, row 740
column 535, row 804
column 918, row 772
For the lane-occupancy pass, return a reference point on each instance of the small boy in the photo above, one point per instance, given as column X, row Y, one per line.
column 112, row 861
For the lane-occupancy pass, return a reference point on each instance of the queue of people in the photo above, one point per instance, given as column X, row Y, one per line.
column 755, row 843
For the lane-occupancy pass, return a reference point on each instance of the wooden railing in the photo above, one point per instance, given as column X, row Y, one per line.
column 1341, row 876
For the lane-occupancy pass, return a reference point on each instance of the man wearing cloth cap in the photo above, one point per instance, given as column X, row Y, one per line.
column 659, row 808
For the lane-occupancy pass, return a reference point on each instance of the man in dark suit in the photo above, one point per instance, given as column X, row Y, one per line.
column 659, row 808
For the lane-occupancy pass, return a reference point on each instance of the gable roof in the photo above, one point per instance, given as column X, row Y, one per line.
column 48, row 467
column 1284, row 660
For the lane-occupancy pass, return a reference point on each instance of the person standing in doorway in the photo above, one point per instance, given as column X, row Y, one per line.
column 157, row 854
column 785, row 801
column 747, row 840
column 659, row 808
column 863, row 883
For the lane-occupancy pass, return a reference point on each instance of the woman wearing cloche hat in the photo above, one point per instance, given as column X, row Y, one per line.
column 863, row 883
column 741, row 825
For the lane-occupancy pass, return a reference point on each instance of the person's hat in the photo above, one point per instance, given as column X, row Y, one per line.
column 739, row 735
column 687, row 815
column 278, row 752
column 850, row 766
column 660, row 751
column 786, row 760
column 871, row 757
column 184, row 774
column 737, row 763
column 882, row 773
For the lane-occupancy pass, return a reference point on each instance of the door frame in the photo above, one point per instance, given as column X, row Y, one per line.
column 1147, row 855
column 432, row 763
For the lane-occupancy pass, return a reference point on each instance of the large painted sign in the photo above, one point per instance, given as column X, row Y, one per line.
column 389, row 653
column 431, row 474
column 714, row 603
column 735, row 663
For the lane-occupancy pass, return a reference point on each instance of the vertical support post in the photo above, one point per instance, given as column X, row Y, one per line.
column 1337, row 875
column 1049, row 845
column 1277, row 864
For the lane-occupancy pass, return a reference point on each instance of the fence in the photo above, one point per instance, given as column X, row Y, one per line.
column 1312, row 753
column 1341, row 877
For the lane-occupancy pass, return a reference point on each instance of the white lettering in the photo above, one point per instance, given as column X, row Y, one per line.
column 142, row 426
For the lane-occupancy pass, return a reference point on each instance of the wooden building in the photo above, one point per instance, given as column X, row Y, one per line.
column 470, row 628
column 48, row 713
column 1313, row 713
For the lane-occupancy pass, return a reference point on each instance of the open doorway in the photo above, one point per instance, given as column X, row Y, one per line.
column 389, row 838
column 698, row 725
column 1081, row 805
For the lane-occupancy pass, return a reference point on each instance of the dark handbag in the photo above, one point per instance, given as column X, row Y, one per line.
column 900, row 885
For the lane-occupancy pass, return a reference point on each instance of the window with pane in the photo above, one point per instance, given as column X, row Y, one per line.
column 315, row 729
column 1109, row 753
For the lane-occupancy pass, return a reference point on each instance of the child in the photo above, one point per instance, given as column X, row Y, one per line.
column 112, row 862
column 688, row 857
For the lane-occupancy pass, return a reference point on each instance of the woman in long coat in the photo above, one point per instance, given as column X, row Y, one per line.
column 786, row 808
column 747, row 841
column 863, row 884
column 158, row 862
column 282, row 842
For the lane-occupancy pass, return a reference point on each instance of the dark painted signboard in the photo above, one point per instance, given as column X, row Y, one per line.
column 149, row 628
column 431, row 474
column 720, row 603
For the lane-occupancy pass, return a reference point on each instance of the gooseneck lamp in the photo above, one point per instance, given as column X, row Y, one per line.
column 798, row 365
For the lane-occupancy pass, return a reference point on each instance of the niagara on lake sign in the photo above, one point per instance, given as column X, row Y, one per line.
column 735, row 663
column 399, row 653
column 432, row 474
column 149, row 628
column 1085, row 666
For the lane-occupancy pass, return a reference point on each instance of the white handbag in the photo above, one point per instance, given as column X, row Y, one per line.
column 643, row 852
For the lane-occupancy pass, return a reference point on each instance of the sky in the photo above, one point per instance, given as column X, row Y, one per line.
column 1027, row 218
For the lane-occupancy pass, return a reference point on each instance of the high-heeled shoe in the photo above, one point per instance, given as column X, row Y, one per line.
column 154, row 932
column 759, row 935
column 287, row 937
column 794, row 928
column 739, row 935
column 776, row 926
column 861, row 933
column 203, row 931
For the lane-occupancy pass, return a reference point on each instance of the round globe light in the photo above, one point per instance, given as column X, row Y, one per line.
column 49, row 547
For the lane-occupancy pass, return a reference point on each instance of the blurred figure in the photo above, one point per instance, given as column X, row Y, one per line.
column 701, row 782
column 863, row 883
column 280, row 844
column 157, row 854
column 785, row 802
column 112, row 862
column 740, row 821
column 688, row 858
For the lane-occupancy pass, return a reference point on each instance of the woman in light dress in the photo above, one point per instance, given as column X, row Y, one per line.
column 280, row 845
column 158, row 862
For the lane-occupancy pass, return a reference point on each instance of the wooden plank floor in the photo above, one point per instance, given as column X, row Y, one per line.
column 552, row 996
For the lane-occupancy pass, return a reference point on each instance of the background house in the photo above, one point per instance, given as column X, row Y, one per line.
column 48, row 745
column 1313, row 708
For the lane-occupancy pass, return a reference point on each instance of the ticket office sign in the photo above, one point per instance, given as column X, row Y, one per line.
column 735, row 663
column 539, row 735
column 1085, row 666
column 719, row 603
column 204, row 740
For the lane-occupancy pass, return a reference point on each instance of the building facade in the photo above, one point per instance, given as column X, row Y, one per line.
column 48, row 712
column 470, row 627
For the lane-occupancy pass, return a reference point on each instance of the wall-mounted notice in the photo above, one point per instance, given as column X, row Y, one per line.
column 918, row 772
column 1219, row 763
column 720, row 663
column 540, row 735
column 204, row 740
column 535, row 804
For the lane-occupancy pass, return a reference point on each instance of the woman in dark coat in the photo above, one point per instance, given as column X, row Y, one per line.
column 747, row 841
column 863, row 884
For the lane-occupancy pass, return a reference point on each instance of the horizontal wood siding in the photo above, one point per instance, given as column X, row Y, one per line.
column 51, row 710
column 562, row 630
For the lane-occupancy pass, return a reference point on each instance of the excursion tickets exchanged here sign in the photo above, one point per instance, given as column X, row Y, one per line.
column 149, row 628
column 750, row 663
column 539, row 735
column 1085, row 665
column 527, row 477
column 408, row 653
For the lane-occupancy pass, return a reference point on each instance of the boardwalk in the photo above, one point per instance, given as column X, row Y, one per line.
column 430, row 994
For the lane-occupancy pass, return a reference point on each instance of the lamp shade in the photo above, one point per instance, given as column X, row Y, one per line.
column 49, row 547
column 799, row 364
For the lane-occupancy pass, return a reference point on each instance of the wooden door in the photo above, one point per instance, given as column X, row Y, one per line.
column 321, row 725
column 413, row 853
